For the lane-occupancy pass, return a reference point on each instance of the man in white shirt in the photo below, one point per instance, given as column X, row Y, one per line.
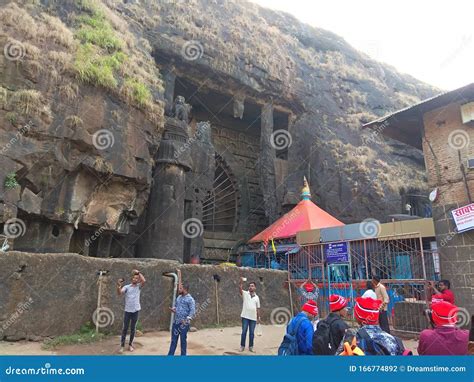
column 381, row 293
column 132, row 306
column 250, row 313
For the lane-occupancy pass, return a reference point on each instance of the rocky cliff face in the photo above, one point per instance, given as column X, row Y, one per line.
column 82, row 105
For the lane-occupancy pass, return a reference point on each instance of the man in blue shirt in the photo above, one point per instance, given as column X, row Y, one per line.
column 184, row 311
column 308, row 313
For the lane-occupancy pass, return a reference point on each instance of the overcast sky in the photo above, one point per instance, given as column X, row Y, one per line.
column 431, row 40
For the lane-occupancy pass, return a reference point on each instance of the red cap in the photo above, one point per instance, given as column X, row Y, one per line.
column 309, row 287
column 337, row 302
column 366, row 310
column 444, row 313
column 310, row 307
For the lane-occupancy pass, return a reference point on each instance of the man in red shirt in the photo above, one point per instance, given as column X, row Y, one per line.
column 445, row 338
column 443, row 292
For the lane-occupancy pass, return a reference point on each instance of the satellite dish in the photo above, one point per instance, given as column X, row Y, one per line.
column 433, row 195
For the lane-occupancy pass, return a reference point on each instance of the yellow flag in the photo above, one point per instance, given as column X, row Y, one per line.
column 273, row 247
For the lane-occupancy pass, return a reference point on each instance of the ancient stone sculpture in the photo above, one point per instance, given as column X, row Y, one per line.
column 181, row 109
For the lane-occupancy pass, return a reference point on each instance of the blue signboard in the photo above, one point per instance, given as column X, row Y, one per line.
column 336, row 252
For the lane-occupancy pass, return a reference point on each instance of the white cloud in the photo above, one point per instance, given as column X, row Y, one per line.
column 432, row 41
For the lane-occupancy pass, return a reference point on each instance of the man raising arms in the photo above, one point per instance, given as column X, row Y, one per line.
column 132, row 306
column 250, row 313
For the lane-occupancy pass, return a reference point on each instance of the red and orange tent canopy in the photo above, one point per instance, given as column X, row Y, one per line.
column 303, row 217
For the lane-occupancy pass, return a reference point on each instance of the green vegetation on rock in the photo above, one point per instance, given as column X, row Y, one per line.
column 100, row 54
column 137, row 91
column 97, row 68
column 97, row 30
column 10, row 181
column 85, row 335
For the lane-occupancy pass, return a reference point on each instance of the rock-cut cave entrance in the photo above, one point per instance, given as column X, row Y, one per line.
column 220, row 206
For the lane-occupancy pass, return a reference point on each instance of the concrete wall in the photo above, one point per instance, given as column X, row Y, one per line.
column 45, row 295
column 448, row 138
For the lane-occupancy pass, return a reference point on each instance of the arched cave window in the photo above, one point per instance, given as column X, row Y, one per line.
column 219, row 209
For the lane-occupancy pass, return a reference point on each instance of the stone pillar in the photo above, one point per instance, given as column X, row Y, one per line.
column 163, row 231
column 295, row 173
column 266, row 164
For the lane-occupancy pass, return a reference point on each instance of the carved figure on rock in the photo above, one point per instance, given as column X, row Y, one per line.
column 181, row 109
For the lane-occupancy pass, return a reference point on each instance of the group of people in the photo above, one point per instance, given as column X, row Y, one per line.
column 306, row 334
column 183, row 310
column 333, row 336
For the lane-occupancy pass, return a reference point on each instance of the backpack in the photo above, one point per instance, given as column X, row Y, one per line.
column 369, row 346
column 289, row 345
column 323, row 343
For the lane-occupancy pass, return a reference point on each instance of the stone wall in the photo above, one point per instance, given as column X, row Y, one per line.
column 448, row 138
column 456, row 252
column 46, row 295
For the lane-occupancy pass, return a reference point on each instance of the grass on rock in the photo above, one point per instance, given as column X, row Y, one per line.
column 85, row 335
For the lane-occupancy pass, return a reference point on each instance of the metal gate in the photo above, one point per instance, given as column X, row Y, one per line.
column 340, row 281
column 405, row 264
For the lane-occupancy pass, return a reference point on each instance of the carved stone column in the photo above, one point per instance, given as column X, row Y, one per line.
column 163, row 236
column 266, row 165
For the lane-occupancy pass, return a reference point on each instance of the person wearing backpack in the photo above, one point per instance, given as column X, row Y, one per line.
column 299, row 332
column 331, row 330
column 370, row 337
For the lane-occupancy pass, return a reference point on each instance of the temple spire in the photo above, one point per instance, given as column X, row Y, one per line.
column 305, row 192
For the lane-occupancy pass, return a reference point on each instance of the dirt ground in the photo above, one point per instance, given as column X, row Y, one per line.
column 216, row 341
